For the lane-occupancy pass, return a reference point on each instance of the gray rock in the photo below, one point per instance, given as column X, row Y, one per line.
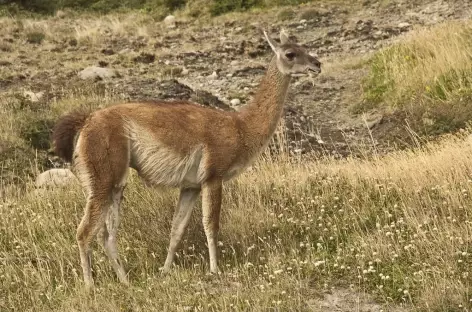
column 95, row 72
column 32, row 96
column 373, row 120
column 404, row 25
column 235, row 102
column 169, row 21
column 55, row 178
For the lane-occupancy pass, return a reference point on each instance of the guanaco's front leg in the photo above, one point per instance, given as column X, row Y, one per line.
column 183, row 211
column 211, row 205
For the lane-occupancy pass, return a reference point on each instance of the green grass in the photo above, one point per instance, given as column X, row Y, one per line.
column 159, row 8
column 428, row 75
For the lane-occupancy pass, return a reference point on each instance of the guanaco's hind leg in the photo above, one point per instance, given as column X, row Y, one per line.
column 92, row 221
column 102, row 157
column 108, row 235
column 211, row 205
column 183, row 211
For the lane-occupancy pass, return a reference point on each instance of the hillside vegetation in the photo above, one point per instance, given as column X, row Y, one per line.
column 427, row 75
column 160, row 7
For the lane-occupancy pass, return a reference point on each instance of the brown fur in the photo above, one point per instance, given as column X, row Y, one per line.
column 65, row 131
column 177, row 144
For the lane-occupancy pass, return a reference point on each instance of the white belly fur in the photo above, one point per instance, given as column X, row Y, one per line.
column 157, row 164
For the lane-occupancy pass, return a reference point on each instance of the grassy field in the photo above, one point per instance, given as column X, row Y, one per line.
column 397, row 227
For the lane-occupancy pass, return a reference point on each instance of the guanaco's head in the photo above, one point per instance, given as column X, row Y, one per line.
column 293, row 59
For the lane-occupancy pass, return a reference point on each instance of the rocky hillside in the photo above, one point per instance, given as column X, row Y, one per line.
column 52, row 65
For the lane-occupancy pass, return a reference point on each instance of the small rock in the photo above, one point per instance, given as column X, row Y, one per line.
column 55, row 178
column 234, row 63
column 169, row 21
column 235, row 102
column 214, row 75
column 124, row 51
column 404, row 25
column 95, row 72
column 373, row 120
column 184, row 72
column 229, row 75
column 33, row 97
column 303, row 21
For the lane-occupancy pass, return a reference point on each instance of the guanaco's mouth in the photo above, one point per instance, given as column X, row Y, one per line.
column 317, row 71
column 309, row 72
column 299, row 74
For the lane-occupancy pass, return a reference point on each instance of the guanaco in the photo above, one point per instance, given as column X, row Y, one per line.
column 178, row 144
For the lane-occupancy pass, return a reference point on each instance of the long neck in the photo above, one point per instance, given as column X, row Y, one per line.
column 263, row 113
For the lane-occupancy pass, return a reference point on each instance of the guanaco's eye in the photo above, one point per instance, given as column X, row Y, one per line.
column 290, row 55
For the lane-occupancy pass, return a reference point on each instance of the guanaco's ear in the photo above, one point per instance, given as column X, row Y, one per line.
column 283, row 37
column 271, row 42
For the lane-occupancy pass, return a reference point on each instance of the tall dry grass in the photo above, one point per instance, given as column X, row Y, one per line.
column 398, row 227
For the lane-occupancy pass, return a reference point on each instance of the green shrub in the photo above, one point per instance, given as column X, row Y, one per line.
column 37, row 131
column 219, row 7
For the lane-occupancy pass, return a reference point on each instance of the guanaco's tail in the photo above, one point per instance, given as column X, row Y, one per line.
column 65, row 131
